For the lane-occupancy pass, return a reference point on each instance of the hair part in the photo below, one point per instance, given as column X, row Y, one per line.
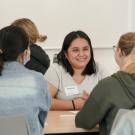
column 91, row 66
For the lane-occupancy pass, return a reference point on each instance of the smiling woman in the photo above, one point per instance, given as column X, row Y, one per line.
column 78, row 54
column 75, row 73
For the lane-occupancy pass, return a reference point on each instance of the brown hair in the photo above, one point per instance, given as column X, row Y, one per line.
column 127, row 46
column 127, row 42
column 30, row 29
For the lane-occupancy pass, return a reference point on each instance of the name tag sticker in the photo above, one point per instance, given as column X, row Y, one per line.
column 71, row 90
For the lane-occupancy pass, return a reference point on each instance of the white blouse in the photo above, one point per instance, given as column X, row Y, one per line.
column 68, row 89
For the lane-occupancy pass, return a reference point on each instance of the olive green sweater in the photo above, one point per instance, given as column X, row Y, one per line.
column 110, row 94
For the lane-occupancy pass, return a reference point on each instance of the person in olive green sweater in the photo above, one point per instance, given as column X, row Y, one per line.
column 112, row 93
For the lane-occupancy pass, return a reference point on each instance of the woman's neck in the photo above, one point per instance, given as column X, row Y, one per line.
column 78, row 77
column 129, row 68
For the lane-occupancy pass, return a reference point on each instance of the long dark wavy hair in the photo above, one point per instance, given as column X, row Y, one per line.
column 61, row 58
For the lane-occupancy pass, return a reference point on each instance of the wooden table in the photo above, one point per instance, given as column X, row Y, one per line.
column 63, row 122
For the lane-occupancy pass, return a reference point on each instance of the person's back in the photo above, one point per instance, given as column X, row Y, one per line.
column 112, row 93
column 125, row 125
column 22, row 91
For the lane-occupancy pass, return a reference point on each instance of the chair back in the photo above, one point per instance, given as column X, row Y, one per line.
column 15, row 125
column 55, row 60
column 124, row 123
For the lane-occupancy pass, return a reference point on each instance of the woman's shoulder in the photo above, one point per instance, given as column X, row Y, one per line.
column 108, row 83
column 104, row 87
column 36, row 48
column 57, row 67
column 36, row 79
column 33, row 73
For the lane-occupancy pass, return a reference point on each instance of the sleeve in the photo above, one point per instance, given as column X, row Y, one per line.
column 47, row 98
column 94, row 109
column 125, row 126
column 52, row 75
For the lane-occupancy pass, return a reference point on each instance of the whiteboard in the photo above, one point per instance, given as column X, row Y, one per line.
column 103, row 20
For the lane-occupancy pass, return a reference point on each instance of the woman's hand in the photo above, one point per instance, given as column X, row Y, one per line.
column 79, row 102
column 85, row 95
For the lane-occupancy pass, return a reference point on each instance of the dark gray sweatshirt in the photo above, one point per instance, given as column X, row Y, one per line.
column 110, row 95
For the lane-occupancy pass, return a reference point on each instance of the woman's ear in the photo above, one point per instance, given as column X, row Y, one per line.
column 118, row 56
column 65, row 55
column 22, row 56
column 120, row 53
column 25, row 54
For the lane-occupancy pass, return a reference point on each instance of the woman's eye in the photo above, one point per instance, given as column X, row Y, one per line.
column 75, row 50
column 86, row 49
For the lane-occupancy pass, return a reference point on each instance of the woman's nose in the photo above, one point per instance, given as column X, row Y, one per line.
column 81, row 53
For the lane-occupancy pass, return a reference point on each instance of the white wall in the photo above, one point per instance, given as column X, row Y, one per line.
column 103, row 20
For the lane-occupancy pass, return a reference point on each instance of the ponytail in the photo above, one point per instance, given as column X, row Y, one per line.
column 129, row 62
column 13, row 42
column 41, row 38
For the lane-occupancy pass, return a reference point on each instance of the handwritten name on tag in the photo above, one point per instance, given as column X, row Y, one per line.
column 71, row 90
